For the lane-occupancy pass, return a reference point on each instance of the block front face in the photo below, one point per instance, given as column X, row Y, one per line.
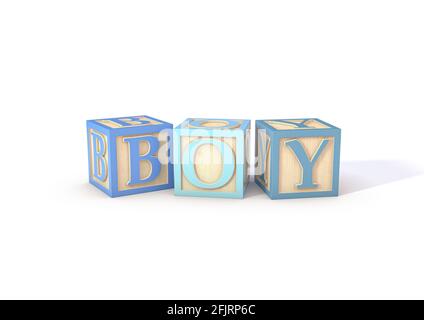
column 98, row 150
column 142, row 161
column 306, row 164
column 210, row 158
column 213, row 124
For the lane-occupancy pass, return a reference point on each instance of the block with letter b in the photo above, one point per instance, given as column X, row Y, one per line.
column 130, row 155
column 210, row 157
column 297, row 158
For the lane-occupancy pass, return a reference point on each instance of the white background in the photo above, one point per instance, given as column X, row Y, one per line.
column 356, row 64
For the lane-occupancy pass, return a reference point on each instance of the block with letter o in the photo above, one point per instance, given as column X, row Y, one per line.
column 210, row 157
column 130, row 155
column 297, row 158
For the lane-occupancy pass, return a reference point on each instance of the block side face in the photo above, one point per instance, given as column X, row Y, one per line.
column 274, row 165
column 307, row 165
column 265, row 190
column 246, row 174
column 142, row 162
column 263, row 156
column 99, row 157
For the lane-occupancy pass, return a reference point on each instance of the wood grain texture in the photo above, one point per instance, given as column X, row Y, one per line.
column 264, row 166
column 246, row 158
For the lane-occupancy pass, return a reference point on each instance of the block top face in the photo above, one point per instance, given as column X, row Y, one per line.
column 129, row 122
column 214, row 124
column 296, row 124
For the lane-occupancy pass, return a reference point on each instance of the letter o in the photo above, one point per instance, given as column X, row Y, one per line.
column 189, row 157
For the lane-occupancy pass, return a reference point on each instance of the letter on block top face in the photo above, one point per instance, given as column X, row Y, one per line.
column 128, row 122
column 263, row 145
column 99, row 158
column 297, row 124
column 214, row 124
column 306, row 164
column 142, row 161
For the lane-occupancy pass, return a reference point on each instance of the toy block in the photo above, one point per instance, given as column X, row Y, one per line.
column 210, row 158
column 130, row 155
column 297, row 158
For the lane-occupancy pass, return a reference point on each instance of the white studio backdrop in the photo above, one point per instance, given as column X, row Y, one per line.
column 356, row 64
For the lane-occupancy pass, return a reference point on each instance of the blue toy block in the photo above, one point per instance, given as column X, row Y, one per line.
column 210, row 158
column 130, row 155
column 297, row 158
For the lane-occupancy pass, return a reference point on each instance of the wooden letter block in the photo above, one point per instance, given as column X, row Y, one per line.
column 210, row 158
column 297, row 158
column 129, row 155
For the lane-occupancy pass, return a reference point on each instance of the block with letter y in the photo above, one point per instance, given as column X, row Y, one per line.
column 297, row 158
column 130, row 155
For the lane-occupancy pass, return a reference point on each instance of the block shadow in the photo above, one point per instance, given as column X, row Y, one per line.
column 356, row 176
column 253, row 190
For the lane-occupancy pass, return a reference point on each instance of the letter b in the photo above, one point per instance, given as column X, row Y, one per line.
column 99, row 159
column 135, row 158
